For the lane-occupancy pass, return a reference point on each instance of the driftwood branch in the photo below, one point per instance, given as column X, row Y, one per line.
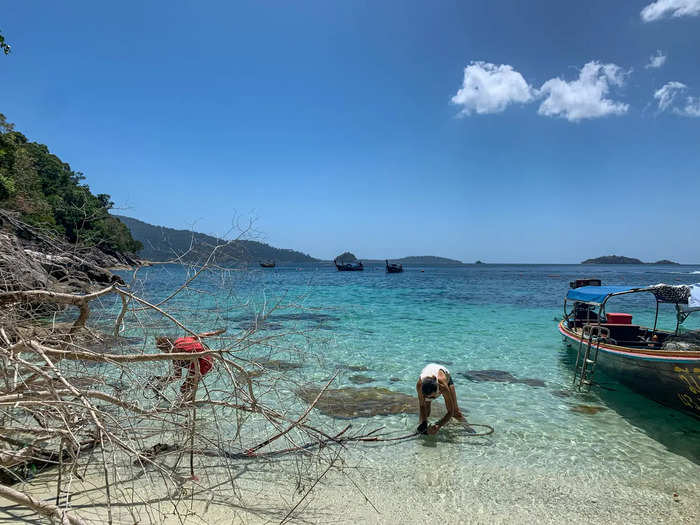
column 43, row 508
column 53, row 416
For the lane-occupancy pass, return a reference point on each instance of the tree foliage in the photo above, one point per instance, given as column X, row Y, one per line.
column 4, row 46
column 48, row 193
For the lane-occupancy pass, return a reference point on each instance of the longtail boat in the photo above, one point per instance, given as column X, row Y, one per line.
column 355, row 266
column 393, row 267
column 267, row 264
column 660, row 364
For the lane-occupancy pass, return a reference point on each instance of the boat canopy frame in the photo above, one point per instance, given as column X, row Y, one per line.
column 599, row 296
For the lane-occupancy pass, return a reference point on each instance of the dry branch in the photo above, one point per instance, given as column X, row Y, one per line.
column 49, row 418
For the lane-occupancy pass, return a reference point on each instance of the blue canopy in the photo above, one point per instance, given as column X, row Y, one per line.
column 598, row 294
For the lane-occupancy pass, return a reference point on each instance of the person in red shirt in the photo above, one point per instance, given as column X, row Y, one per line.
column 190, row 344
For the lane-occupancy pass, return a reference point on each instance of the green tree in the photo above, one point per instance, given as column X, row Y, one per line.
column 48, row 193
column 4, row 46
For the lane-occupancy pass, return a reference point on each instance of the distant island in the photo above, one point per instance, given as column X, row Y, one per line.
column 620, row 259
column 420, row 260
column 414, row 260
column 429, row 260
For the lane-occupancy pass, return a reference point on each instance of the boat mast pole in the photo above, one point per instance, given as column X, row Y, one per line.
column 656, row 317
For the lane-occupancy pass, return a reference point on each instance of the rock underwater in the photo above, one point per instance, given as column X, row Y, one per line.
column 499, row 376
column 359, row 379
column 345, row 403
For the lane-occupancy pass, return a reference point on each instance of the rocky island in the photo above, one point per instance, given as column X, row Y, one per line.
column 620, row 259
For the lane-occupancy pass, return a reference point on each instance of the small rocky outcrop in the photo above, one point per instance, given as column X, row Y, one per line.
column 346, row 257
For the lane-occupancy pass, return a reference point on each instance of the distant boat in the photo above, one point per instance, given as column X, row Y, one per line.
column 267, row 264
column 348, row 267
column 393, row 267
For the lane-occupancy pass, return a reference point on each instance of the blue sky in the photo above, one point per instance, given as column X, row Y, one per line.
column 501, row 131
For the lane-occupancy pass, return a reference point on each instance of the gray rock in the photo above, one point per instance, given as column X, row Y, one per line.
column 499, row 376
column 352, row 402
column 360, row 379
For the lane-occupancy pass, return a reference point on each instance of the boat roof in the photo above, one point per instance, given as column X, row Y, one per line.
column 664, row 293
column 598, row 294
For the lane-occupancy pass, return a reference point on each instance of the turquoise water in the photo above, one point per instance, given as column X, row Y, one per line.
column 473, row 318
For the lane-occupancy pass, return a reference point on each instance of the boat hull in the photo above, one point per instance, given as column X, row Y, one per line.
column 670, row 378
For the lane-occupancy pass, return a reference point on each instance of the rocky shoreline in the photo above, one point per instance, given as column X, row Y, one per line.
column 32, row 259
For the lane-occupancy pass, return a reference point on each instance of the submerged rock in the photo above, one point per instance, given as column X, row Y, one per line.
column 360, row 379
column 262, row 325
column 499, row 376
column 275, row 364
column 352, row 402
column 561, row 393
column 357, row 368
column 394, row 379
column 282, row 317
column 586, row 409
column 249, row 374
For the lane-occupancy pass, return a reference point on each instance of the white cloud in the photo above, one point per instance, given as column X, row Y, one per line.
column 669, row 94
column 488, row 88
column 584, row 97
column 666, row 94
column 657, row 60
column 675, row 8
column 692, row 107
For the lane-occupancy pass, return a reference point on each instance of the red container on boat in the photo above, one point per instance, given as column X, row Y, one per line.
column 618, row 318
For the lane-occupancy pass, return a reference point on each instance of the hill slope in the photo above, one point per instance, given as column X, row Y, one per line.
column 164, row 244
column 48, row 194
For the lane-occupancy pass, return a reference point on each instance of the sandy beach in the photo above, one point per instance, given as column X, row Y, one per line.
column 409, row 482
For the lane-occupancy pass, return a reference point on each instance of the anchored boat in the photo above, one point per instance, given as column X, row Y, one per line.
column 355, row 266
column 267, row 264
column 660, row 364
column 393, row 267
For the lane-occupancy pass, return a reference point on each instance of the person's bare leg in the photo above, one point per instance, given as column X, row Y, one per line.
column 458, row 414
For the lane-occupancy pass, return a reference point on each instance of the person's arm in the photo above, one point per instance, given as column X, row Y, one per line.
column 450, row 405
column 423, row 409
column 212, row 333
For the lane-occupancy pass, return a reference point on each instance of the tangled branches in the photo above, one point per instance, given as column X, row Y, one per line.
column 78, row 401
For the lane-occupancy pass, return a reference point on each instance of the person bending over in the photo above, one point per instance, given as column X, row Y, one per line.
column 191, row 344
column 435, row 381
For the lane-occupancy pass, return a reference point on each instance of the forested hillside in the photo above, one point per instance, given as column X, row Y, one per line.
column 165, row 244
column 49, row 194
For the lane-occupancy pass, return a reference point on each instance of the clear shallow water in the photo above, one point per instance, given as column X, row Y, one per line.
column 473, row 318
